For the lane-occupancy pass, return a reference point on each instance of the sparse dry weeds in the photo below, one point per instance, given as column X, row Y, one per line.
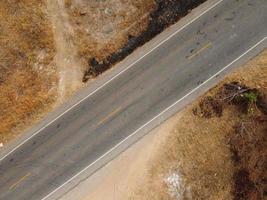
column 201, row 147
column 102, row 27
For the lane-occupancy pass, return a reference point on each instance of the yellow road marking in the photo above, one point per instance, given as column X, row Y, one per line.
column 109, row 116
column 208, row 45
column 19, row 181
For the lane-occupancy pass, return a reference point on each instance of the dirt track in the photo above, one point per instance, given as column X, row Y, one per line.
column 67, row 61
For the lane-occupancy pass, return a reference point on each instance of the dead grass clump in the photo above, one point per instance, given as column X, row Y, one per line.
column 248, row 140
column 248, row 146
column 209, row 107
column 245, row 99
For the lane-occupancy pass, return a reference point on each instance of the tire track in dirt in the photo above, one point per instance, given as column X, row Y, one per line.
column 66, row 59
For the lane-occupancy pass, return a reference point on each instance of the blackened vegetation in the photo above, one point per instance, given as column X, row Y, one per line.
column 167, row 13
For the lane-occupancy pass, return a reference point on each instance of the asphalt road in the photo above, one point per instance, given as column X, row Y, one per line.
column 136, row 96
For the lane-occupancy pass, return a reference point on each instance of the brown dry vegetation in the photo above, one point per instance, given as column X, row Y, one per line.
column 102, row 27
column 27, row 75
column 219, row 145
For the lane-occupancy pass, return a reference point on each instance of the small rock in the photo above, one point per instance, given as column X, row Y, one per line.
column 82, row 13
column 107, row 29
column 1, row 145
column 108, row 11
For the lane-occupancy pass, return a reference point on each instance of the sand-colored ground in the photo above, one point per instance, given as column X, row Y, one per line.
column 67, row 61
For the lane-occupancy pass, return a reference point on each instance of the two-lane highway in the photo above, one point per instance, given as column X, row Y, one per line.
column 126, row 104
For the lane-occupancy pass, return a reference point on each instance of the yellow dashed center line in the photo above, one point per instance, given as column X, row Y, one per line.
column 208, row 45
column 19, row 181
column 109, row 116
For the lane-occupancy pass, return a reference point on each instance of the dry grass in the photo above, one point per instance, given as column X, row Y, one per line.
column 199, row 147
column 27, row 74
column 196, row 150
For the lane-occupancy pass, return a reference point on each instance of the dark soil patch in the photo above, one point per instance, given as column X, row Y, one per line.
column 167, row 12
